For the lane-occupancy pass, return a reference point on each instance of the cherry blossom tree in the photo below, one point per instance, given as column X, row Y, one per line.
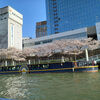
column 64, row 47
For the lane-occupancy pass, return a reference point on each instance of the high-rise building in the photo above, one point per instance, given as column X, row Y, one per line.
column 66, row 15
column 11, row 23
column 41, row 29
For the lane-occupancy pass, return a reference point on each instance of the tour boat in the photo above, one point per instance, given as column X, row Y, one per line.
column 50, row 67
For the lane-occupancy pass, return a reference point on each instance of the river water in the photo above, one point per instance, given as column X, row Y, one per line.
column 51, row 86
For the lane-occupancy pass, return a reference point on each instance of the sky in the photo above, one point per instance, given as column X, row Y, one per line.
column 32, row 10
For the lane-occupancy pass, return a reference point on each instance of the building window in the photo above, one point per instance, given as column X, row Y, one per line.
column 55, row 7
column 56, row 25
column 55, row 10
column 12, row 34
column 54, row 3
column 55, row 21
column 56, row 28
column 55, row 14
column 55, row 17
column 56, row 32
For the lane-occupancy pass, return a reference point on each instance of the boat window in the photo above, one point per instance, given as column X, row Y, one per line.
column 33, row 67
column 0, row 68
column 4, row 68
column 9, row 68
column 80, row 64
column 13, row 68
column 61, row 64
column 45, row 66
column 84, row 63
column 17, row 68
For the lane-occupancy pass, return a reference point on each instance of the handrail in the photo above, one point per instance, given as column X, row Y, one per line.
column 91, row 58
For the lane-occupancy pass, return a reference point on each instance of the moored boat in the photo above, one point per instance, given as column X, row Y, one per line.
column 50, row 67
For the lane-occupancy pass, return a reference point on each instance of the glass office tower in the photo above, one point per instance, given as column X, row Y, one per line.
column 66, row 15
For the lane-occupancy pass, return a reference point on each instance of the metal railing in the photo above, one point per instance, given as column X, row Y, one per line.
column 91, row 58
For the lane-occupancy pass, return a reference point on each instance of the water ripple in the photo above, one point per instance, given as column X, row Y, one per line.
column 56, row 86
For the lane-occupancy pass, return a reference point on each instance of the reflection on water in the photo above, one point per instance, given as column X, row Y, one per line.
column 56, row 86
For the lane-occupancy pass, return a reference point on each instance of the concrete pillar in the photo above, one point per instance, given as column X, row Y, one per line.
column 29, row 62
column 62, row 58
column 87, row 57
column 13, row 62
column 5, row 62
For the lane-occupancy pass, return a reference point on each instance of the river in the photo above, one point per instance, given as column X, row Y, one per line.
column 51, row 86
